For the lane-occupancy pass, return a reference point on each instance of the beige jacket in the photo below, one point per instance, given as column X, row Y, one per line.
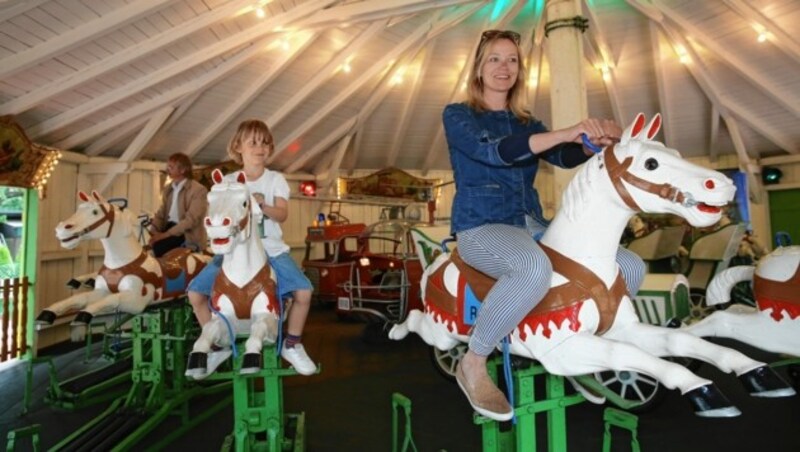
column 192, row 209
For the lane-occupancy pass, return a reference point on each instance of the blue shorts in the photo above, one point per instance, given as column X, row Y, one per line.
column 287, row 273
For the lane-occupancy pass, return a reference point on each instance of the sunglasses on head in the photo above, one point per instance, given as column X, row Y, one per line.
column 495, row 34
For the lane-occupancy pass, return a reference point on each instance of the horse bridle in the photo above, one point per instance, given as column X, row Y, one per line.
column 618, row 172
column 108, row 215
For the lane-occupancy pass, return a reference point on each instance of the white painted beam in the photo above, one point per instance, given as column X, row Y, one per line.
column 371, row 11
column 21, row 7
column 788, row 100
column 124, row 56
column 782, row 39
column 249, row 94
column 113, row 137
column 326, row 72
column 322, row 145
column 77, row 36
column 409, row 103
column 713, row 138
column 662, row 85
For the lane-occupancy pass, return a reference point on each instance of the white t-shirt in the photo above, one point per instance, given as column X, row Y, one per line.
column 272, row 185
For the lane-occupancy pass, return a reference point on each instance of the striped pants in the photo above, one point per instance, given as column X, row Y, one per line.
column 523, row 272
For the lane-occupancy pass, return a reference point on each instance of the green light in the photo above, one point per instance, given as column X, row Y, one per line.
column 499, row 6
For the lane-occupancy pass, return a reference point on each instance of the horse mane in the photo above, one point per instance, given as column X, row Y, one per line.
column 576, row 195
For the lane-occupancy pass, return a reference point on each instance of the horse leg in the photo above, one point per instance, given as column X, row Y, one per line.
column 213, row 332
column 129, row 301
column 753, row 327
column 263, row 329
column 586, row 353
column 71, row 304
column 432, row 332
column 759, row 379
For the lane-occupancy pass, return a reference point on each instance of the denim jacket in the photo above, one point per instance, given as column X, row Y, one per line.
column 489, row 187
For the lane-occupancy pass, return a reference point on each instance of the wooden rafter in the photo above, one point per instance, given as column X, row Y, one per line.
column 249, row 94
column 782, row 39
column 409, row 103
column 662, row 86
column 115, row 136
column 77, row 36
column 371, row 11
column 21, row 7
column 323, row 144
column 712, row 141
column 118, row 59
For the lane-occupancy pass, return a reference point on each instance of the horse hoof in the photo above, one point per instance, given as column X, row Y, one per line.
column 196, row 367
column 83, row 318
column 251, row 363
column 74, row 284
column 674, row 323
column 89, row 283
column 709, row 402
column 46, row 318
column 765, row 382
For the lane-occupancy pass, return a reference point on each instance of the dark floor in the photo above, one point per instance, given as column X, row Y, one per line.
column 348, row 406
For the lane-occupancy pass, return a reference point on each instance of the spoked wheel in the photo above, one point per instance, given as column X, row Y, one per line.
column 446, row 361
column 633, row 386
column 698, row 308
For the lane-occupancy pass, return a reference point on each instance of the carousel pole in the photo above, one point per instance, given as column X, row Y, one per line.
column 564, row 47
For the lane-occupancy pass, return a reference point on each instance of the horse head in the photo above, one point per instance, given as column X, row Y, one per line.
column 231, row 216
column 95, row 218
column 650, row 177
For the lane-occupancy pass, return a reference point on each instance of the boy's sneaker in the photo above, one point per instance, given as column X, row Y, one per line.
column 299, row 359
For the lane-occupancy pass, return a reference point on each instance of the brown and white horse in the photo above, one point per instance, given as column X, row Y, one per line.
column 587, row 322
column 243, row 296
column 130, row 278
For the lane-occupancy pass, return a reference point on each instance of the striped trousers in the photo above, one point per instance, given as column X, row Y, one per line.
column 510, row 255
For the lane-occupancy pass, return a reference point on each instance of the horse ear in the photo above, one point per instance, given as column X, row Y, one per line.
column 634, row 129
column 216, row 176
column 654, row 126
column 241, row 177
column 83, row 196
column 97, row 196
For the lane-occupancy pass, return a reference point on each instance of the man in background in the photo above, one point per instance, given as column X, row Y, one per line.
column 179, row 220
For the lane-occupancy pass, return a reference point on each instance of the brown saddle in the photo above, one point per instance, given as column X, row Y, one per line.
column 242, row 297
column 582, row 284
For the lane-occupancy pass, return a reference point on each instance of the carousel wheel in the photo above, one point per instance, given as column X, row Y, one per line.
column 698, row 308
column 446, row 361
column 633, row 386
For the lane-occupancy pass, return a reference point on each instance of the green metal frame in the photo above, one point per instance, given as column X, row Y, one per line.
column 159, row 385
column 402, row 402
column 259, row 421
column 30, row 216
column 522, row 436
column 624, row 420
column 31, row 431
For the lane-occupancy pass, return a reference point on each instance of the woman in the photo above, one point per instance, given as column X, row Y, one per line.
column 495, row 146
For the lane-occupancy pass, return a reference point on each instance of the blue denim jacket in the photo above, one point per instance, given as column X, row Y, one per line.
column 490, row 189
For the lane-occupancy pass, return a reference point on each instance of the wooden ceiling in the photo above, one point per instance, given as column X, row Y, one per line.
column 361, row 84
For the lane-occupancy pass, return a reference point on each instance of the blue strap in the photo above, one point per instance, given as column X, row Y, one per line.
column 589, row 145
column 508, row 376
column 279, row 343
column 227, row 324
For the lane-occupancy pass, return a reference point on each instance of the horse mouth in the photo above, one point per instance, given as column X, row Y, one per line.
column 68, row 239
column 221, row 241
column 707, row 208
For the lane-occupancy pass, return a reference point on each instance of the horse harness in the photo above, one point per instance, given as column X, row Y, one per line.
column 242, row 297
column 108, row 215
column 618, row 172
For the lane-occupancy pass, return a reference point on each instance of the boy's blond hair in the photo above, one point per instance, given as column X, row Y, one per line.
column 254, row 127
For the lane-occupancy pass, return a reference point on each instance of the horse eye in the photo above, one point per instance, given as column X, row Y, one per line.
column 94, row 212
column 244, row 204
column 651, row 164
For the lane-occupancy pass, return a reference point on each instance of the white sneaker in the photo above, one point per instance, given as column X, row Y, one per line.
column 299, row 359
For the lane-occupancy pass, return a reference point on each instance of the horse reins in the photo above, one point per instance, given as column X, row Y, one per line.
column 618, row 172
column 108, row 215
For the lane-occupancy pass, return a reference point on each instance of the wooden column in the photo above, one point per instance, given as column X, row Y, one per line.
column 568, row 102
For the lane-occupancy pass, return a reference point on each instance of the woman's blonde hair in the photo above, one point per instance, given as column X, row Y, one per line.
column 518, row 93
column 255, row 127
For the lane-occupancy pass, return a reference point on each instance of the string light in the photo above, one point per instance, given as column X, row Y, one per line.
column 260, row 13
column 533, row 80
column 762, row 36
column 683, row 56
column 606, row 72
column 285, row 45
column 398, row 77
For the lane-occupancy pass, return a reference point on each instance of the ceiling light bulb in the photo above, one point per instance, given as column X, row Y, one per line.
column 260, row 13
column 762, row 36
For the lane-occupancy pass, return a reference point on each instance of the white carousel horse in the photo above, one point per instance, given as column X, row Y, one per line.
column 587, row 322
column 774, row 324
column 243, row 295
column 130, row 278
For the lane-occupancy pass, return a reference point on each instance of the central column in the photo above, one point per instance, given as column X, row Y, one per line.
column 568, row 103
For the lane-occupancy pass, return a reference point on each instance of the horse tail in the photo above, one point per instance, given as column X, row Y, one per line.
column 719, row 290
column 428, row 249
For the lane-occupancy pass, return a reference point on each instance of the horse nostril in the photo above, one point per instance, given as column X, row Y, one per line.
column 208, row 221
column 226, row 221
column 709, row 184
column 69, row 226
